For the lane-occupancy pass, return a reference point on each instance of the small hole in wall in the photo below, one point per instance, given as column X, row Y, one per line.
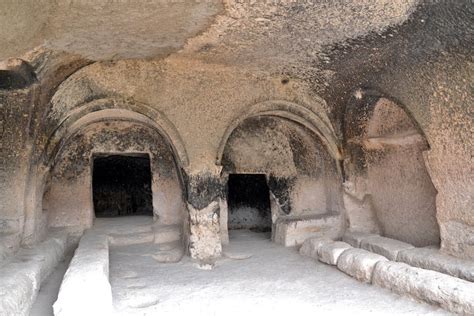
column 285, row 80
column 249, row 202
column 121, row 185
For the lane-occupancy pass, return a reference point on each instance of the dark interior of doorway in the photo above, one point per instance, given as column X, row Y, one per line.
column 249, row 202
column 121, row 185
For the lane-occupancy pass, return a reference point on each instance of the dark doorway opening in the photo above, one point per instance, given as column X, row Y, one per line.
column 249, row 202
column 121, row 185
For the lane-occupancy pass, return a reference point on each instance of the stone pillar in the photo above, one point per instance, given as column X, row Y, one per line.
column 204, row 196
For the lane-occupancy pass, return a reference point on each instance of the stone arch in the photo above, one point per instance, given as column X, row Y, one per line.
column 388, row 189
column 305, row 155
column 361, row 109
column 291, row 111
column 105, row 133
column 102, row 109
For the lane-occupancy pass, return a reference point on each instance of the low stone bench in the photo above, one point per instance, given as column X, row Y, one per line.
column 85, row 289
column 451, row 293
column 432, row 259
column 355, row 238
column 329, row 253
column 22, row 275
column 386, row 247
column 372, row 264
column 359, row 263
column 131, row 239
column 311, row 246
column 294, row 230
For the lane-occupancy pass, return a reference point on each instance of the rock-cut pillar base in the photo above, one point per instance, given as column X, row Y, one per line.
column 205, row 240
column 205, row 191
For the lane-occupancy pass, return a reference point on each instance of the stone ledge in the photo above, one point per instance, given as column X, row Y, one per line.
column 293, row 231
column 386, row 247
column 311, row 246
column 329, row 253
column 432, row 259
column 131, row 239
column 359, row 263
column 167, row 233
column 85, row 289
column 22, row 275
column 451, row 293
column 355, row 238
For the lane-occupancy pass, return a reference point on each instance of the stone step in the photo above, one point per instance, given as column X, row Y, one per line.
column 132, row 238
column 169, row 252
column 432, row 259
column 167, row 233
column 294, row 230
column 429, row 258
column 451, row 293
column 359, row 263
column 329, row 253
column 355, row 238
column 386, row 247
column 311, row 246
column 23, row 273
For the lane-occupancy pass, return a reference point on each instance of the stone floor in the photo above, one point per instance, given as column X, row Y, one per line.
column 256, row 276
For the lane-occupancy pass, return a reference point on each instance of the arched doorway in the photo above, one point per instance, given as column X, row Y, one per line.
column 269, row 156
column 118, row 144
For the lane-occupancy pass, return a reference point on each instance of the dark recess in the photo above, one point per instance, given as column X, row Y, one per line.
column 249, row 202
column 122, row 185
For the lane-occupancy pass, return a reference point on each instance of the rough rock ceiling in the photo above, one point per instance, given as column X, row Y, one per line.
column 260, row 33
column 292, row 33
column 99, row 29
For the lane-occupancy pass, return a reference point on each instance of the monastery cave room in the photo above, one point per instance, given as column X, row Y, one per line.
column 232, row 157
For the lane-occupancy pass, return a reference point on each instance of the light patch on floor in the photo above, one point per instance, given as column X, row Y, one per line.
column 255, row 276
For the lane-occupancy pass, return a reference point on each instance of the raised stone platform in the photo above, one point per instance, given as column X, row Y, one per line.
column 21, row 275
column 294, row 230
column 355, row 238
column 432, row 259
column 446, row 289
column 359, row 263
column 86, row 289
column 329, row 253
column 311, row 246
column 386, row 247
column 451, row 293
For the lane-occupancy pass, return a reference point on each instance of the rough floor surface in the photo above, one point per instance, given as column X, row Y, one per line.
column 255, row 277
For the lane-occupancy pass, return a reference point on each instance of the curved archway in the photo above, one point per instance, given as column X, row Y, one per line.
column 291, row 111
column 96, row 111
column 296, row 168
column 74, row 158
column 387, row 183
column 118, row 109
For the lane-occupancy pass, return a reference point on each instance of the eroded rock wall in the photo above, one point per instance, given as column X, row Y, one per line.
column 309, row 60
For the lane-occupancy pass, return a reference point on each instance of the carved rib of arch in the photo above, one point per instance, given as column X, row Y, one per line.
column 293, row 112
column 114, row 109
column 360, row 115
